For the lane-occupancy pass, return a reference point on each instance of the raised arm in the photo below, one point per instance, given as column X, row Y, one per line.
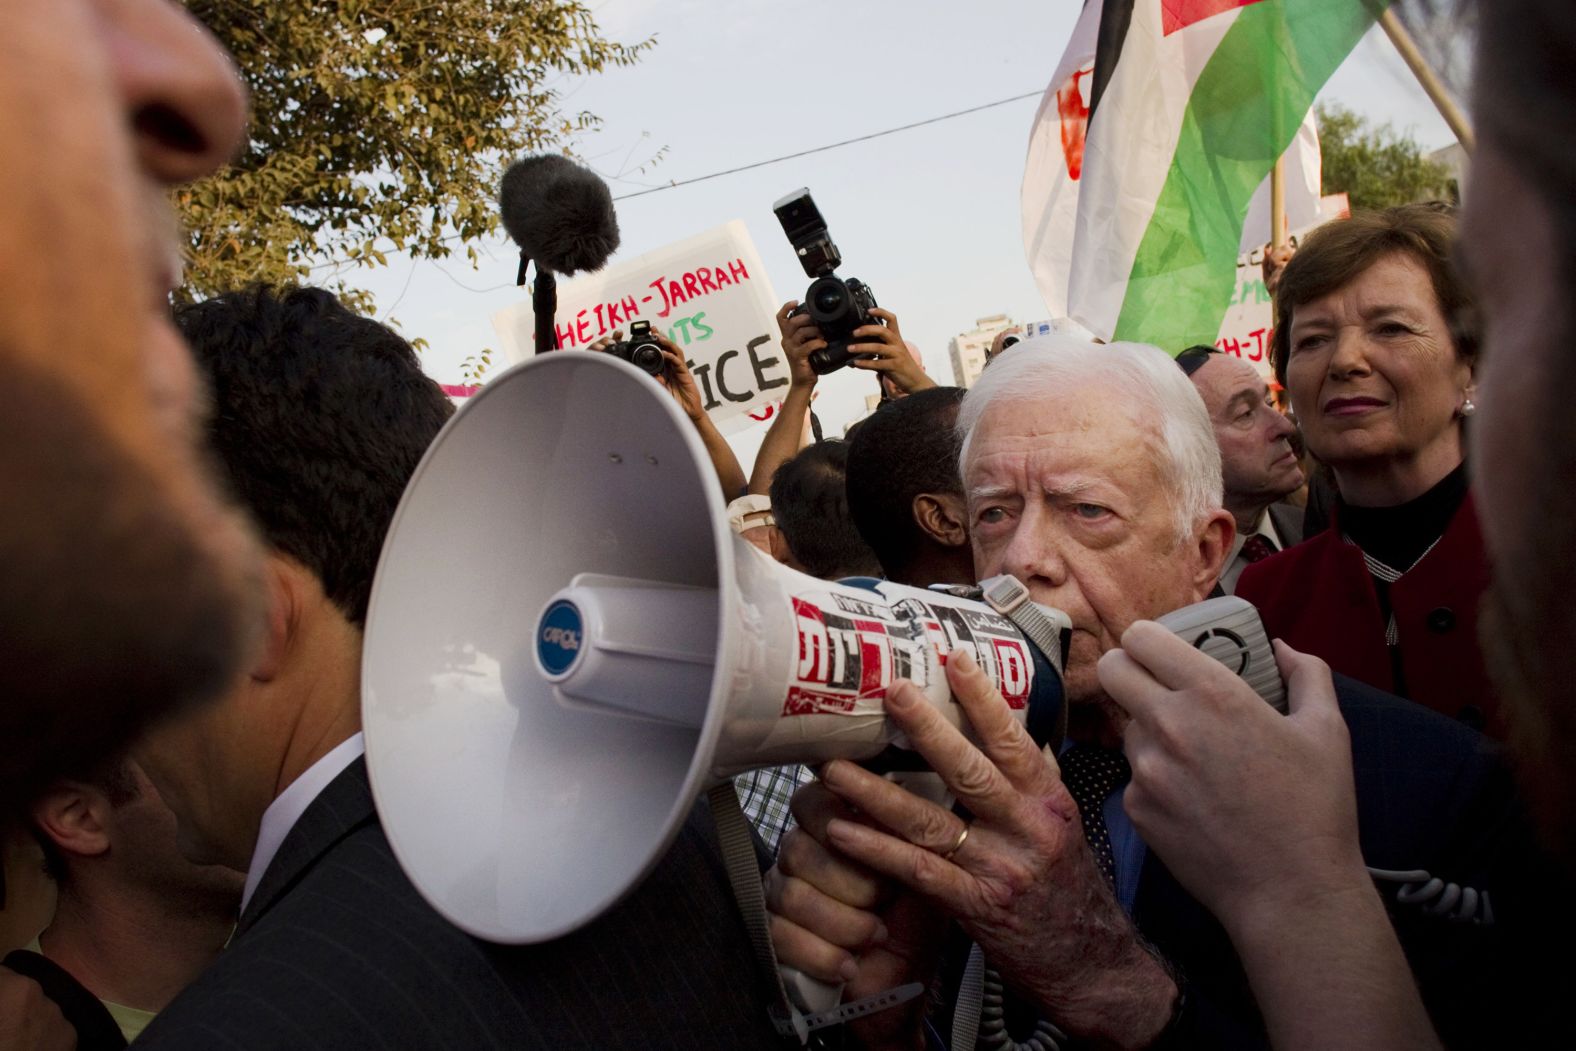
column 785, row 437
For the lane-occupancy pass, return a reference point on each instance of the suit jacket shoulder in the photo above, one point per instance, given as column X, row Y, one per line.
column 345, row 953
column 1287, row 519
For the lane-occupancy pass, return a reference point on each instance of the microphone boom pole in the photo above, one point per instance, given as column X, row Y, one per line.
column 544, row 301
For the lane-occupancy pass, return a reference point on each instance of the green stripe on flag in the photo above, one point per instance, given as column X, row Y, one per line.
column 1232, row 131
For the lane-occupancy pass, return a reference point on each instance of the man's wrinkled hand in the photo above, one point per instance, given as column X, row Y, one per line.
column 1022, row 882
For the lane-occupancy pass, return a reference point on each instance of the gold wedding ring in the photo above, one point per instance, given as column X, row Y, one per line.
column 958, row 845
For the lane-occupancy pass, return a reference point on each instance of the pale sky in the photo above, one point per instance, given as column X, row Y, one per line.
column 928, row 218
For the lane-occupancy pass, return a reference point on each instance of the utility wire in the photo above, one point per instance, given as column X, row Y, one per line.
column 773, row 160
column 832, row 146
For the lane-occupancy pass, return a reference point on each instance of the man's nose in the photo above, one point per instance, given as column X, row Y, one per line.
column 179, row 89
column 1279, row 425
column 1032, row 554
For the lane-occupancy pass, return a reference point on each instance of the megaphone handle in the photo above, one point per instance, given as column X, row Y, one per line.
column 810, row 995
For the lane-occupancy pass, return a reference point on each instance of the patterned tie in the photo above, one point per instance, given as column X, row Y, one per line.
column 1091, row 774
column 1256, row 547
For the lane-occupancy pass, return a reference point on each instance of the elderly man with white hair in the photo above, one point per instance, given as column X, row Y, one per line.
column 1092, row 475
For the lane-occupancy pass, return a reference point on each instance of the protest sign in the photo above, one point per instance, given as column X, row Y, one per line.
column 708, row 293
column 1250, row 320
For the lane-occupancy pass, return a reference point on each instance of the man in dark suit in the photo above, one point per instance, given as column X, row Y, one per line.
column 1259, row 468
column 320, row 419
column 1092, row 475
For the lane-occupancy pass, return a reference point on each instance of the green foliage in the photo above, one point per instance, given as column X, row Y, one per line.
column 1374, row 166
column 475, row 367
column 381, row 125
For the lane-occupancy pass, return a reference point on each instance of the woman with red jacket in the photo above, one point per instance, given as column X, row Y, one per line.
column 1376, row 344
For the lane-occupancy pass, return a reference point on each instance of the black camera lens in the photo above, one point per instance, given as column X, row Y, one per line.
column 832, row 306
column 648, row 357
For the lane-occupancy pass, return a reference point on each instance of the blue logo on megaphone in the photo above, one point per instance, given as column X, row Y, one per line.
column 558, row 637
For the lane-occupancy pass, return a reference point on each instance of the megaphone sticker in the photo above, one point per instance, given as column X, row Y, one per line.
column 852, row 648
column 558, row 638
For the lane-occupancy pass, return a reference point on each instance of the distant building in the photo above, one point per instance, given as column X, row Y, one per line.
column 1454, row 158
column 968, row 349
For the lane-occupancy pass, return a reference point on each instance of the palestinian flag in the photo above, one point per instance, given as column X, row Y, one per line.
column 1162, row 121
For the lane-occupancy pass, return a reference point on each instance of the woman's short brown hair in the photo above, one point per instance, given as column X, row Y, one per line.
column 1336, row 253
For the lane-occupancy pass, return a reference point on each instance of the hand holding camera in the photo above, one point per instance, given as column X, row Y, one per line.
column 800, row 339
column 836, row 307
column 881, row 350
column 659, row 356
column 679, row 381
column 644, row 349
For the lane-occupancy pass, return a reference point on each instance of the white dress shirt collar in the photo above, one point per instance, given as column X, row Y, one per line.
column 1264, row 527
column 289, row 805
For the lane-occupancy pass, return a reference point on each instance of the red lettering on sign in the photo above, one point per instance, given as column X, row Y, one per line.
column 1176, row 15
column 1258, row 351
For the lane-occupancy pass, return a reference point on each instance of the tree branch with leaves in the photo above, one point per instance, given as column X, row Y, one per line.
column 381, row 125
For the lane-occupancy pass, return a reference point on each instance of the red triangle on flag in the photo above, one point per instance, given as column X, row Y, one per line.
column 1179, row 14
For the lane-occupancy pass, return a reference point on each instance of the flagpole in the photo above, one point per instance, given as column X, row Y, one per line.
column 1430, row 81
column 1278, row 202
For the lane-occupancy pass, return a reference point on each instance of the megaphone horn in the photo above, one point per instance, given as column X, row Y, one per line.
column 566, row 644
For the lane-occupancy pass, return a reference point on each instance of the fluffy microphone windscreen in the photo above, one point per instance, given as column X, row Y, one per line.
column 559, row 213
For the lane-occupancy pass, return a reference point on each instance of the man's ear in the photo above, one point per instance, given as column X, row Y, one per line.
column 1213, row 545
column 75, row 818
column 282, row 578
column 940, row 516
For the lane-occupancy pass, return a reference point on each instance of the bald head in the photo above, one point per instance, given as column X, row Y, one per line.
column 1258, row 466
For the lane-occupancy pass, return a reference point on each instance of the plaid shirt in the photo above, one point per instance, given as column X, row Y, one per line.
column 764, row 796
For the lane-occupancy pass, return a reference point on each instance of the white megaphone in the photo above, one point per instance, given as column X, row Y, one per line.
column 566, row 644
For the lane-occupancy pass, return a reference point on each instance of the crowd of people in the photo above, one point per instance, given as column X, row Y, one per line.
column 194, row 504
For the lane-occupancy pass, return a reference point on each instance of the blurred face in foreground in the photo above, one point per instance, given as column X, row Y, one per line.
column 1524, row 445
column 129, row 584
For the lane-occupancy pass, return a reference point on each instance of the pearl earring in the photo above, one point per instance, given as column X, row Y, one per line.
column 1467, row 408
